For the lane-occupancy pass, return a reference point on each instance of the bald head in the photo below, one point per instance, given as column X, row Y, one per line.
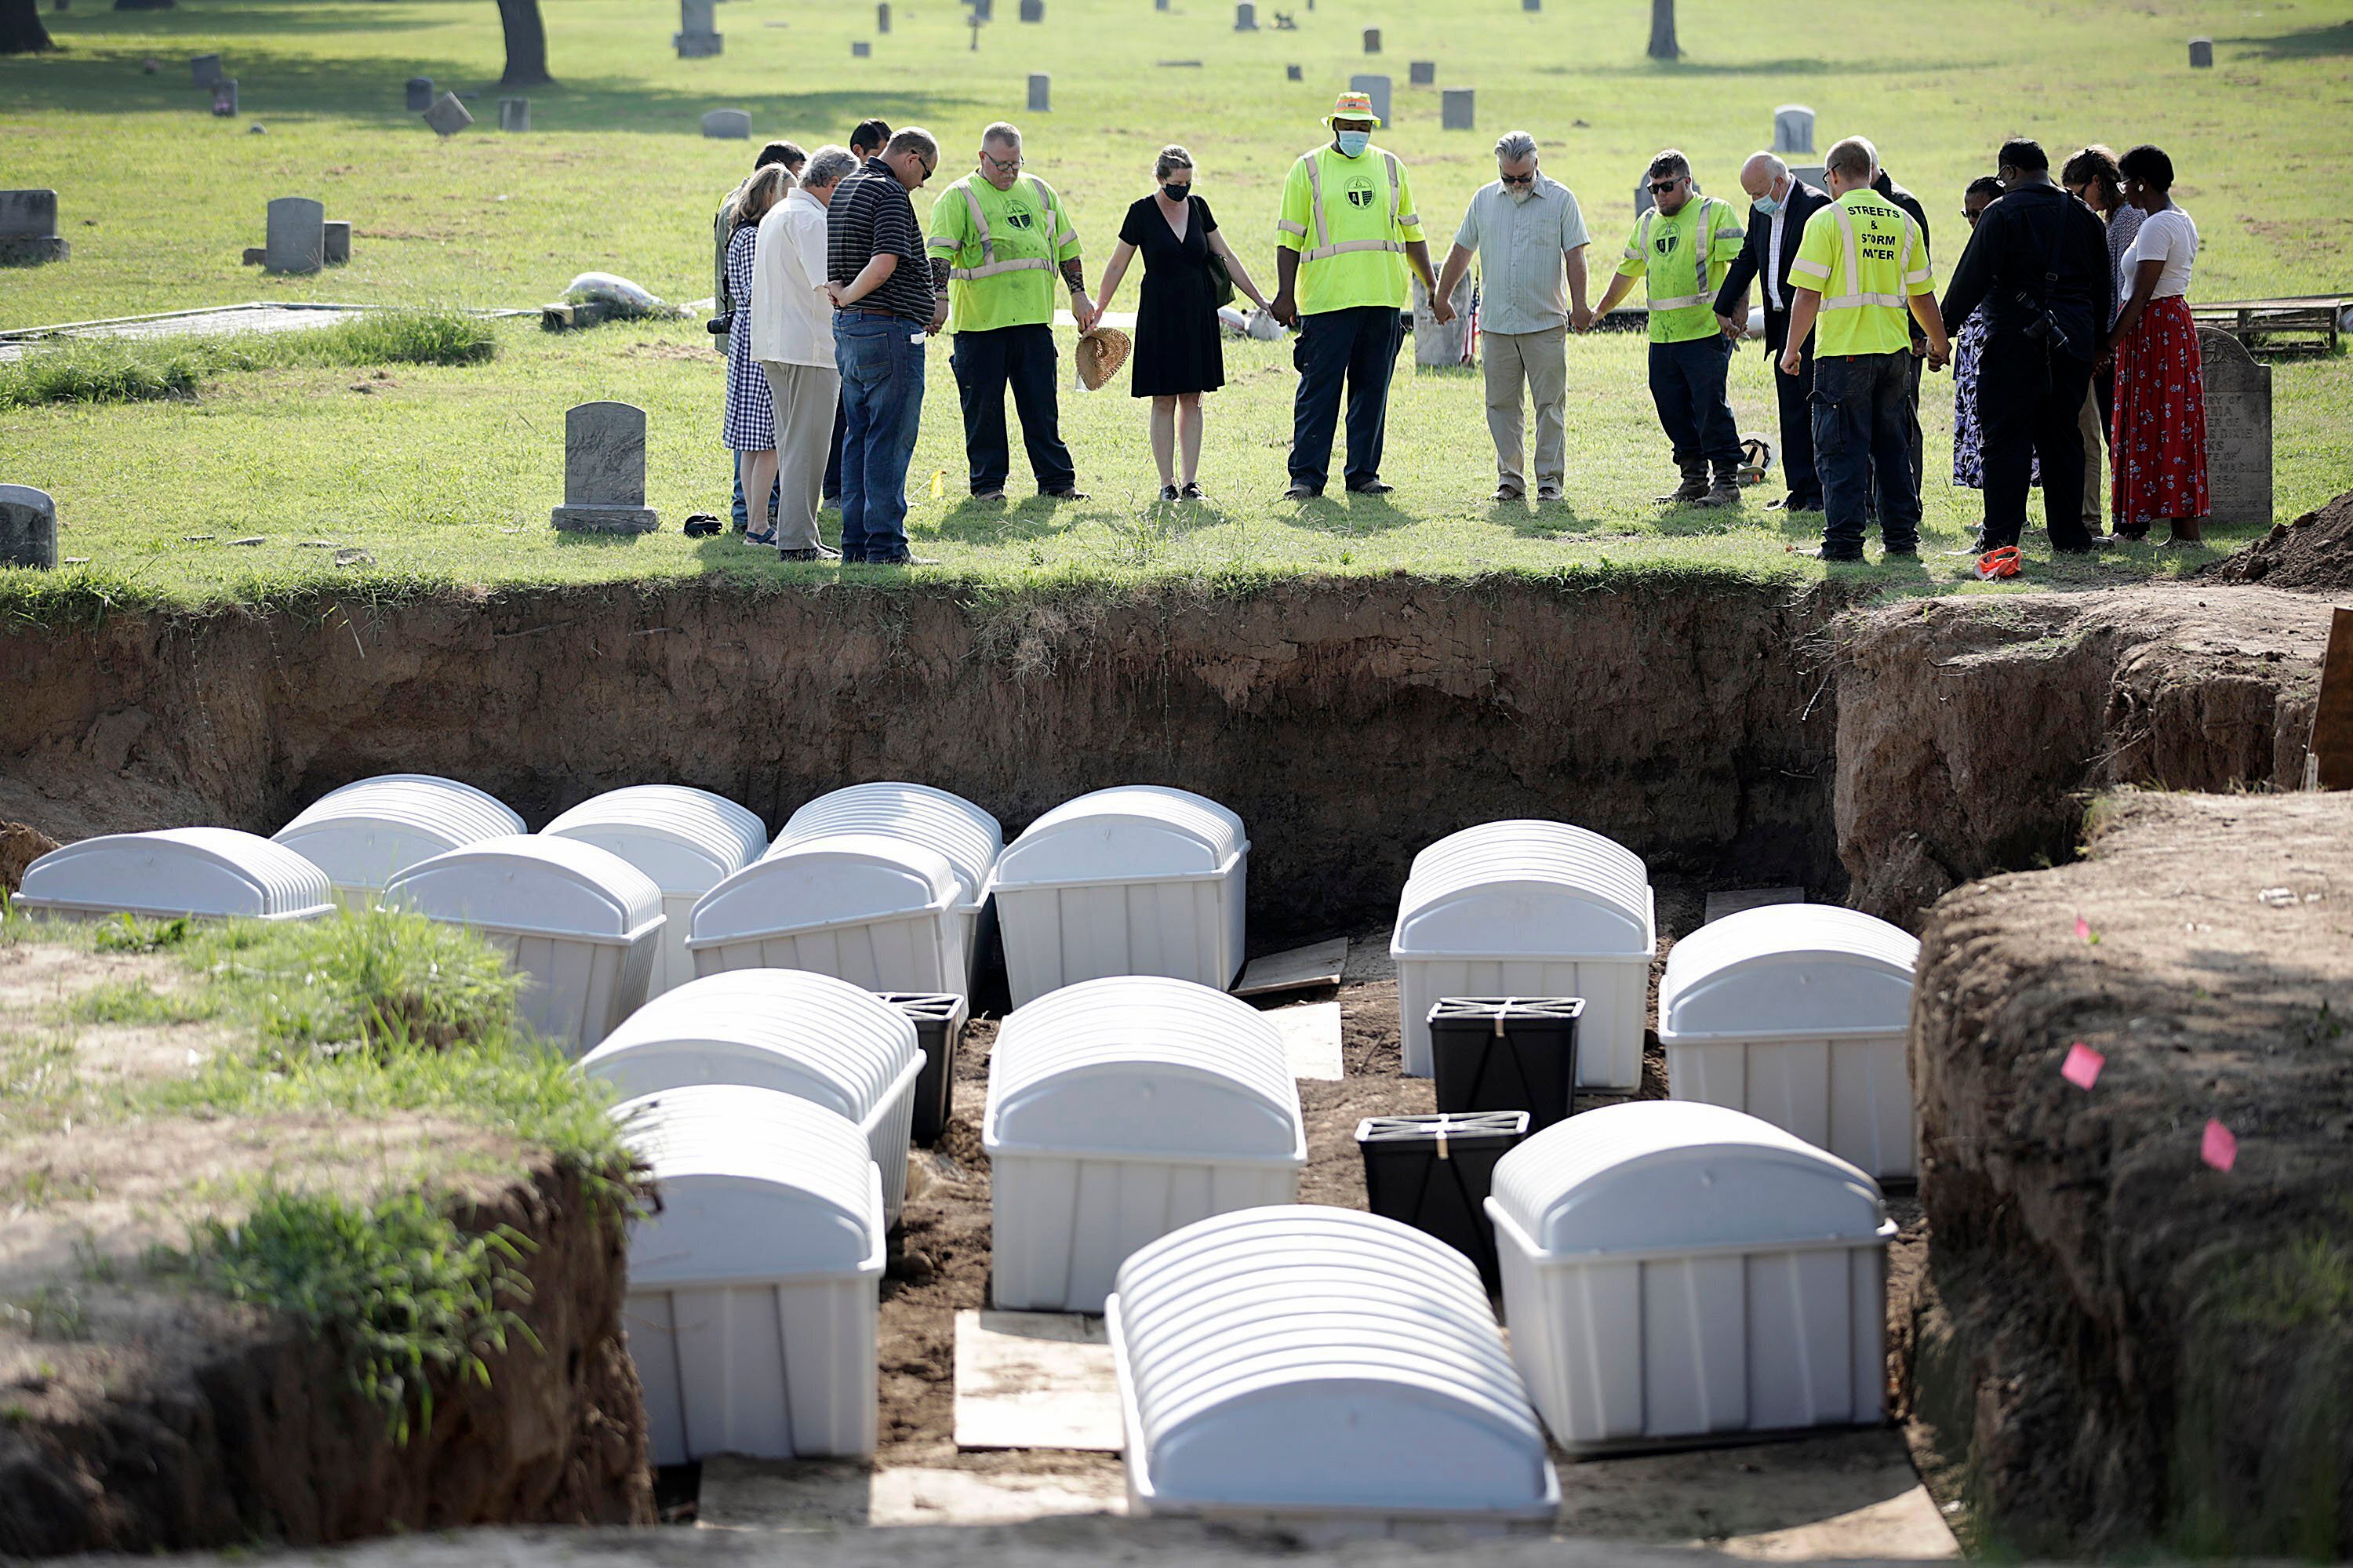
column 1762, row 176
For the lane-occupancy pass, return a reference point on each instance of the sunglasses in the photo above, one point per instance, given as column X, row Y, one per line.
column 927, row 168
column 1661, row 187
column 1519, row 179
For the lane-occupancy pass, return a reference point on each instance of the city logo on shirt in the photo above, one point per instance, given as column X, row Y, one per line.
column 1360, row 191
column 1665, row 243
column 1019, row 217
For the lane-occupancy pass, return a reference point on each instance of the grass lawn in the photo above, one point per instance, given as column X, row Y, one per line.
column 449, row 472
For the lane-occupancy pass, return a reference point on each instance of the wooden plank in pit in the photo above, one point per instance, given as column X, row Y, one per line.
column 2332, row 725
column 1731, row 903
column 1297, row 969
column 1035, row 1380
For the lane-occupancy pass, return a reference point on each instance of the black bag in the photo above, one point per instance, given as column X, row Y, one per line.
column 1221, row 277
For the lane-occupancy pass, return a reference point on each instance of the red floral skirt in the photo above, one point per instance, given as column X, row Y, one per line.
column 2157, row 441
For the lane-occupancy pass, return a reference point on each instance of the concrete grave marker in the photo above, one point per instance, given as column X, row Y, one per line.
column 605, row 471
column 1421, row 73
column 860, row 49
column 1813, row 174
column 1376, row 88
column 448, row 116
column 1293, row 73
column 420, row 94
column 338, row 246
column 1311, row 1039
column 728, row 125
column 1531, row 4
column 698, row 36
column 1435, row 347
column 2202, row 54
column 1457, row 111
column 2238, row 430
column 883, row 17
column 1372, row 40
column 1035, row 1380
column 1793, row 128
column 28, row 527
column 296, row 240
column 1041, row 93
column 29, row 228
column 984, row 10
column 1033, row 10
column 224, row 96
column 1245, row 17
column 514, row 114
column 205, row 70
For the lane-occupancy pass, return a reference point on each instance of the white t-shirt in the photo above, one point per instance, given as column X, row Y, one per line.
column 2168, row 237
column 792, row 320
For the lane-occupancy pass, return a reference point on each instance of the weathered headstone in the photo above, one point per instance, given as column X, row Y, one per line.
column 1793, row 128
column 224, row 96
column 883, row 17
column 1456, row 110
column 1245, row 17
column 448, row 116
column 1033, row 10
column 860, row 49
column 28, row 527
column 1372, row 40
column 205, row 70
column 728, row 125
column 984, row 10
column 1377, row 87
column 514, row 114
column 698, row 36
column 605, row 471
column 420, row 94
column 2202, row 54
column 1531, row 4
column 338, row 247
column 1421, row 73
column 1813, row 174
column 296, row 238
column 1643, row 202
column 1437, row 346
column 1293, row 73
column 29, row 228
column 2238, row 430
column 1041, row 93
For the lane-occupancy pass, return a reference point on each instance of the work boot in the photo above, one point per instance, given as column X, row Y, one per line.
column 1694, row 487
column 1725, row 491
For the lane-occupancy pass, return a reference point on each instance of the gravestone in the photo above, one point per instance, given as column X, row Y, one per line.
column 1041, row 93
column 28, row 527
column 1160, row 4
column 883, row 17
column 861, row 49
column 698, row 36
column 448, row 116
column 605, row 471
column 420, row 94
column 2202, row 54
column 1435, row 346
column 1456, row 111
column 1793, row 128
column 224, row 96
column 1813, row 174
column 1421, row 73
column 514, row 114
column 206, row 68
column 29, row 228
column 1245, row 17
column 1293, row 73
column 1376, row 88
column 2238, row 430
column 984, row 10
column 1643, row 202
column 1531, row 4
column 1033, row 10
column 1372, row 40
column 337, row 250
column 728, row 125
column 296, row 237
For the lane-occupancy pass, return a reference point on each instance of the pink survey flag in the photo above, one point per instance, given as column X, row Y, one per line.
column 2082, row 1067
column 2219, row 1149
column 2083, row 932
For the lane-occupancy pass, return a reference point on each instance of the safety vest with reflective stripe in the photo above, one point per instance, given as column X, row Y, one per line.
column 1001, row 273
column 1352, row 248
column 1683, row 261
column 1866, row 257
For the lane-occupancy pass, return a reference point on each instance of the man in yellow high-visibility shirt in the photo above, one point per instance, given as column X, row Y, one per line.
column 1861, row 279
column 1681, row 248
column 998, row 238
column 1347, row 232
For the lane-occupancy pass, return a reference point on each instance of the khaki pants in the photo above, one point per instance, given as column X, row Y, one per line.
column 806, row 397
column 1541, row 359
column 2088, row 423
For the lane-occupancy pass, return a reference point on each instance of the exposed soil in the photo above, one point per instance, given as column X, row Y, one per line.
column 2122, row 1344
column 20, row 846
column 2313, row 554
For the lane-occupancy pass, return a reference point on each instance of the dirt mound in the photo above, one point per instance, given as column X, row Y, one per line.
column 2313, row 554
column 2123, row 1345
column 20, row 846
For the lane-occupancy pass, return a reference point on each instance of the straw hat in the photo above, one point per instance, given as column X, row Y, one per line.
column 1353, row 106
column 1101, row 353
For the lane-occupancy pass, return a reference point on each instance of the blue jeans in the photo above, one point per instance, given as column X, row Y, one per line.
column 1863, row 433
column 882, row 363
column 984, row 363
column 1358, row 347
column 1687, row 382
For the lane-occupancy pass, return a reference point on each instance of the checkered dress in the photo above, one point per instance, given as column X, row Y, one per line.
column 751, row 422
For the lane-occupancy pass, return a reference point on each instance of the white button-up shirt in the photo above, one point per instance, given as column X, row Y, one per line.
column 1773, row 251
column 792, row 320
column 1522, row 247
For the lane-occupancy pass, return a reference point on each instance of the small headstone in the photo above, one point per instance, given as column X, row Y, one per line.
column 1643, row 202
column 338, row 250
column 1372, row 40
column 1293, row 73
column 225, row 97
column 1377, row 87
column 1437, row 347
column 514, row 114
column 206, row 68
column 699, row 45
column 860, row 49
column 883, row 17
column 1041, row 93
column 448, row 116
column 1531, row 4
column 2202, row 54
column 984, row 10
column 605, row 471
column 1793, row 128
column 420, row 94
column 1456, row 111
column 1421, row 73
column 297, row 236
column 698, row 36
column 255, row 255
column 29, row 228
column 2238, row 430
column 28, row 527
column 728, row 125
column 1033, row 10
column 1246, row 17
column 1813, row 174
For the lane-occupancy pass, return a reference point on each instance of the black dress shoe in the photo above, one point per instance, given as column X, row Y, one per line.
column 1371, row 487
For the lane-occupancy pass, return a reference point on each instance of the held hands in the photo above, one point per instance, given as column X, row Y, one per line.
column 1791, row 358
column 1580, row 318
column 1283, row 309
column 1441, row 312
column 939, row 317
column 1940, row 354
column 1734, row 328
column 1085, row 312
column 837, row 293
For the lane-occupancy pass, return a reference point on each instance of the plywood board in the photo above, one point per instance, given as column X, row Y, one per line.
column 1297, row 969
column 1311, row 1035
column 1035, row 1380
column 1731, row 903
column 2332, row 726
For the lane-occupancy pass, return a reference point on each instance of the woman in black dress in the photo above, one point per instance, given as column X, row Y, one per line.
column 1178, row 355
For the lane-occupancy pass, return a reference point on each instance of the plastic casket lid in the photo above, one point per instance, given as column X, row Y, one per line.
column 833, row 881
column 1320, row 1360
column 1132, row 832
column 685, row 840
column 1143, row 1067
column 789, row 1029
column 214, row 871
column 484, row 810
column 1536, row 899
column 1522, row 833
column 530, row 883
column 1809, row 969
column 1664, row 1177
column 969, row 837
column 754, row 1186
column 365, row 834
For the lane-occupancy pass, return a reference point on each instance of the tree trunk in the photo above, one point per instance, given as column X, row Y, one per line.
column 21, row 32
column 526, row 45
column 1662, row 30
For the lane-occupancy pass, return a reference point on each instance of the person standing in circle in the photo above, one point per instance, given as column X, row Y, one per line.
column 750, row 427
column 2159, row 437
column 1178, row 355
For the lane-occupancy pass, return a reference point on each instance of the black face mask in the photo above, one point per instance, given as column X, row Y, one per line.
column 1176, row 193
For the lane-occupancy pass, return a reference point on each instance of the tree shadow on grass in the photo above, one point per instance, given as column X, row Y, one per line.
column 2311, row 43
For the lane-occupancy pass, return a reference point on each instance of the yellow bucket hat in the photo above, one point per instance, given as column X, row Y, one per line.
column 1353, row 106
